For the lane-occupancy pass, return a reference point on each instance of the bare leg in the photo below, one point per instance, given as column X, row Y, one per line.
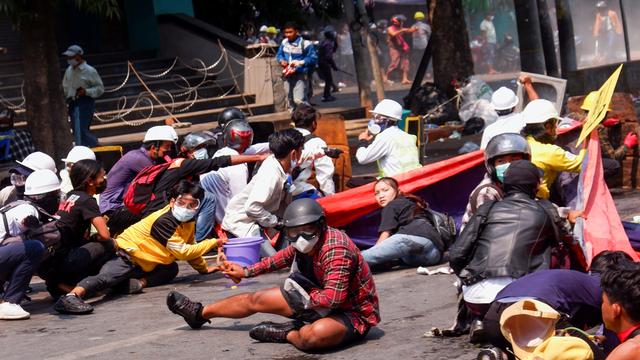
column 322, row 334
column 268, row 301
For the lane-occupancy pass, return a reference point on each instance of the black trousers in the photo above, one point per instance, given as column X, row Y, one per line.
column 324, row 71
column 120, row 268
column 77, row 264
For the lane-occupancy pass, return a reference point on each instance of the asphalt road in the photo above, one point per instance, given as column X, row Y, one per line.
column 141, row 327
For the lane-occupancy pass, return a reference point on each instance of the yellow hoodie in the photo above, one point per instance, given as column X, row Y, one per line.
column 161, row 239
column 552, row 159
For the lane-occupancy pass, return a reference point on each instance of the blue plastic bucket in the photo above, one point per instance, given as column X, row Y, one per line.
column 243, row 251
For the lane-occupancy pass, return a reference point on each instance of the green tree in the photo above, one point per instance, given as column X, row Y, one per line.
column 46, row 111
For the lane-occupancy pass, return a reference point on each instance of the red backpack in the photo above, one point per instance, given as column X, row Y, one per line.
column 141, row 190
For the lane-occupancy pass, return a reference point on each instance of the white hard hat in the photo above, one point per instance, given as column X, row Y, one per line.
column 263, row 28
column 539, row 111
column 41, row 182
column 161, row 133
column 78, row 153
column 38, row 161
column 504, row 99
column 389, row 108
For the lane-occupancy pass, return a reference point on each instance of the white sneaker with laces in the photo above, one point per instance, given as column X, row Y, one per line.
column 9, row 311
column 341, row 84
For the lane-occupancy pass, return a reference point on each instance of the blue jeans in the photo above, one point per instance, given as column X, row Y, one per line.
column 412, row 250
column 18, row 262
column 81, row 112
column 206, row 217
column 296, row 88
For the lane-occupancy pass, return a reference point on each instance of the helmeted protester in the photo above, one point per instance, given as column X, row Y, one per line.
column 158, row 143
column 298, row 58
column 194, row 145
column 612, row 156
column 80, row 253
column 76, row 154
column 19, row 173
column 501, row 150
column 394, row 150
column 405, row 231
column 227, row 115
column 253, row 211
column 505, row 240
column 148, row 251
column 227, row 182
column 330, row 292
column 541, row 119
column 21, row 248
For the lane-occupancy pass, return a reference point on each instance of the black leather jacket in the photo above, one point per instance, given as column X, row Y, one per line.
column 515, row 239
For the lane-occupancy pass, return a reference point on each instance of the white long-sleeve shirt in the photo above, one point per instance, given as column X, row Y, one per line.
column 323, row 166
column 258, row 203
column 395, row 150
column 84, row 76
column 227, row 182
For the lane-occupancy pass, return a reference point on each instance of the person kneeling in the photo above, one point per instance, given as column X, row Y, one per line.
column 330, row 288
column 148, row 251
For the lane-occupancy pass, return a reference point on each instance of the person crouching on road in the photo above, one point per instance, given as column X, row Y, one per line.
column 148, row 252
column 330, row 288
column 405, row 231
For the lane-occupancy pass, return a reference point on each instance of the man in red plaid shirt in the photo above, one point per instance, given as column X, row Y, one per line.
column 329, row 293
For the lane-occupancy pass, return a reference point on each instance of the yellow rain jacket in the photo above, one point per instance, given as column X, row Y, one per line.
column 160, row 239
column 552, row 159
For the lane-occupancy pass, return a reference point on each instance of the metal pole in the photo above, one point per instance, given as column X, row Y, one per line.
column 625, row 31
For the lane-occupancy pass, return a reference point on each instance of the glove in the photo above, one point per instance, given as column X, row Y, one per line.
column 611, row 122
column 332, row 152
column 631, row 140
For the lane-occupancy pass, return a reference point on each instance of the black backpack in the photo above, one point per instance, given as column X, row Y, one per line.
column 445, row 225
column 44, row 229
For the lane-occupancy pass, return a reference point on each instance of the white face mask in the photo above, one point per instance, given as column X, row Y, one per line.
column 201, row 154
column 183, row 214
column 73, row 62
column 305, row 246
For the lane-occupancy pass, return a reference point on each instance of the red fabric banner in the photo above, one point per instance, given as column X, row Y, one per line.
column 344, row 207
column 603, row 228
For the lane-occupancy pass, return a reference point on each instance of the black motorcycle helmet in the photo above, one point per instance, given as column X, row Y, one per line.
column 303, row 212
column 229, row 114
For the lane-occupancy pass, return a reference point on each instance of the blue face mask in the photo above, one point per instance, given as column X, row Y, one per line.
column 500, row 170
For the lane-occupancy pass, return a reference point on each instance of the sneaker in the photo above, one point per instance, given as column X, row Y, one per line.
column 322, row 84
column 341, row 84
column 129, row 286
column 9, row 311
column 273, row 332
column 330, row 98
column 71, row 304
column 189, row 310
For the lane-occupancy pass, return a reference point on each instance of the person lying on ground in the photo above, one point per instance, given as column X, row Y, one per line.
column 330, row 292
column 80, row 254
column 406, row 234
column 575, row 294
column 506, row 240
column 621, row 310
column 148, row 251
